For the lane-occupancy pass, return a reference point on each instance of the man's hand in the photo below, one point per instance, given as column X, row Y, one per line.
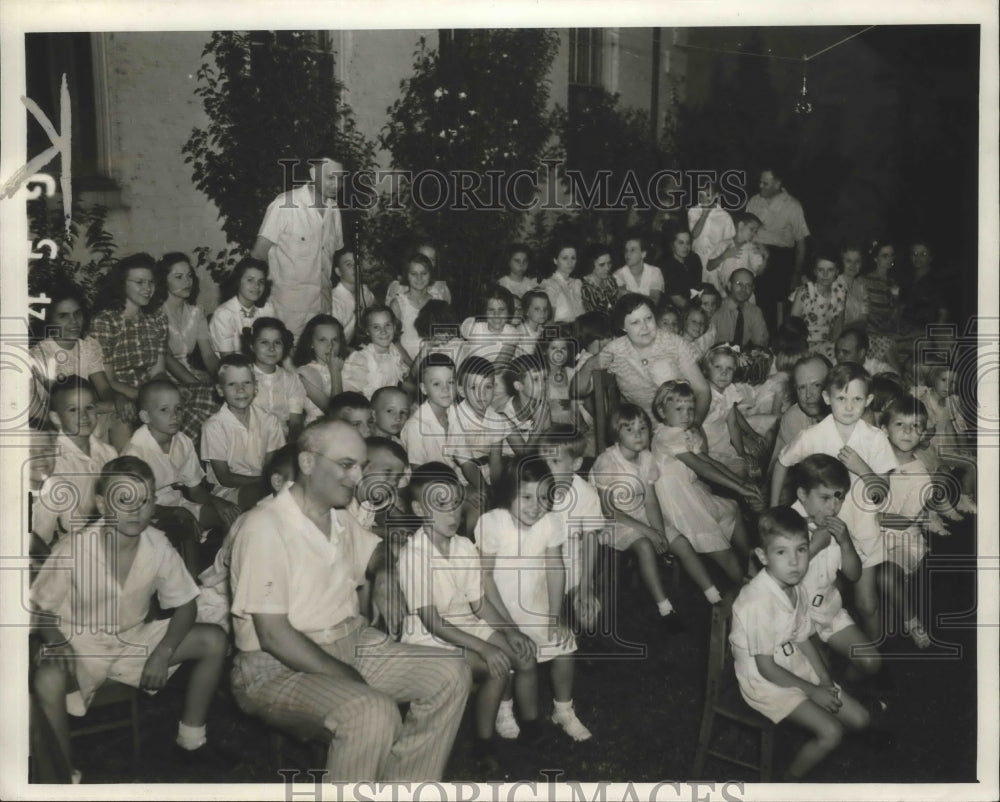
column 388, row 597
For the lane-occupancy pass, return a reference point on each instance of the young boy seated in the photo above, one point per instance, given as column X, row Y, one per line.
column 180, row 479
column 214, row 601
column 779, row 671
column 353, row 408
column 89, row 608
column 578, row 504
column 452, row 607
column 79, row 458
column 390, row 409
column 239, row 439
column 425, row 433
column 821, row 482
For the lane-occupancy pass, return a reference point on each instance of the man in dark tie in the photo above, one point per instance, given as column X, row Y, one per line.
column 739, row 320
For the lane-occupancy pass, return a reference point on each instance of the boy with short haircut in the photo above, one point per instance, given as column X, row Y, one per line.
column 353, row 408
column 779, row 671
column 906, row 517
column 180, row 479
column 865, row 452
column 80, row 456
column 379, row 502
column 476, row 445
column 390, row 408
column 239, row 439
column 821, row 482
column 424, row 434
column 579, row 505
column 450, row 605
column 98, row 584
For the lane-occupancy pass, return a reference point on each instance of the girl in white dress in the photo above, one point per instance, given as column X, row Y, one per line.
column 411, row 299
column 319, row 357
column 713, row 525
column 279, row 391
column 488, row 332
column 522, row 544
column 380, row 363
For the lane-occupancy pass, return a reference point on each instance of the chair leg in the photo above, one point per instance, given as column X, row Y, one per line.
column 766, row 754
column 704, row 740
column 136, row 744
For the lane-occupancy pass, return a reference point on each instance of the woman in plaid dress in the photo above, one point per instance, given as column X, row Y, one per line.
column 134, row 343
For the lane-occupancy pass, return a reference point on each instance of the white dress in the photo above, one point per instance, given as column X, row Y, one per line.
column 520, row 574
column 318, row 373
column 408, row 337
column 687, row 503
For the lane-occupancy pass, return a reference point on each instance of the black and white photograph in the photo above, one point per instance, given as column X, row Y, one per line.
column 448, row 403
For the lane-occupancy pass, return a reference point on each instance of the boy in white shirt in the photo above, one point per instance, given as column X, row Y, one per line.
column 425, row 433
column 239, row 439
column 79, row 459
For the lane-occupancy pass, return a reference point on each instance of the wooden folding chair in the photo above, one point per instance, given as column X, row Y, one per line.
column 723, row 699
column 115, row 694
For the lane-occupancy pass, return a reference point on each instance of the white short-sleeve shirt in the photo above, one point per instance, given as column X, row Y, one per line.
column 242, row 448
column 424, row 438
column 283, row 564
column 650, row 281
column 178, row 466
column 228, row 321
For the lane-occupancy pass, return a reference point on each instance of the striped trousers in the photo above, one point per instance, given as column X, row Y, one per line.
column 368, row 739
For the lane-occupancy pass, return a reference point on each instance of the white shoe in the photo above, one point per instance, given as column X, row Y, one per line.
column 506, row 723
column 966, row 504
column 571, row 725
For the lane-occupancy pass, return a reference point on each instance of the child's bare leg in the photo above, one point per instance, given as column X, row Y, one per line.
column 867, row 604
column 205, row 644
column 50, row 682
column 740, row 540
column 524, row 683
column 487, row 697
column 827, row 733
column 851, row 643
column 899, row 592
column 649, row 568
column 682, row 549
column 562, row 678
column 730, row 563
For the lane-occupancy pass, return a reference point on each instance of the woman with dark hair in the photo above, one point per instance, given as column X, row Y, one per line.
column 598, row 290
column 187, row 329
column 490, row 330
column 245, row 292
column 564, row 292
column 928, row 293
column 134, row 342
column 681, row 269
column 644, row 357
column 882, row 290
column 820, row 302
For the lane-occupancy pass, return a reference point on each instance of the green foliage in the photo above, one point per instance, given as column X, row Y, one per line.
column 58, row 268
column 478, row 103
column 269, row 96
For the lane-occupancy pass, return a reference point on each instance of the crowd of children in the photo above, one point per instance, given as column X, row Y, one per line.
column 495, row 486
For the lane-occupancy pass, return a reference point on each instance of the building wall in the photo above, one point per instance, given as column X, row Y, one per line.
column 150, row 82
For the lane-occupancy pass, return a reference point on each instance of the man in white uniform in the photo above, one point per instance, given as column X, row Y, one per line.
column 302, row 229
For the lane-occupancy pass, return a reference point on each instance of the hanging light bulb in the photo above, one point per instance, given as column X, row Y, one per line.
column 804, row 107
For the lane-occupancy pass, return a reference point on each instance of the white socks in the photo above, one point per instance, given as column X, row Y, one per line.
column 189, row 737
column 664, row 607
column 713, row 595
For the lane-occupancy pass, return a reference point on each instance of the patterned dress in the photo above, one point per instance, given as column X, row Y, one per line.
column 820, row 313
column 132, row 346
column 599, row 297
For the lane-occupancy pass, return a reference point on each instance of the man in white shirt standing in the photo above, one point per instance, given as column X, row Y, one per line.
column 302, row 230
column 783, row 230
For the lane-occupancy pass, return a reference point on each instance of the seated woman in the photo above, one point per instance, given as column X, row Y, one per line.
column 882, row 295
column 187, row 328
column 134, row 342
column 599, row 291
column 820, row 303
column 565, row 293
column 928, row 293
column 681, row 269
column 643, row 358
